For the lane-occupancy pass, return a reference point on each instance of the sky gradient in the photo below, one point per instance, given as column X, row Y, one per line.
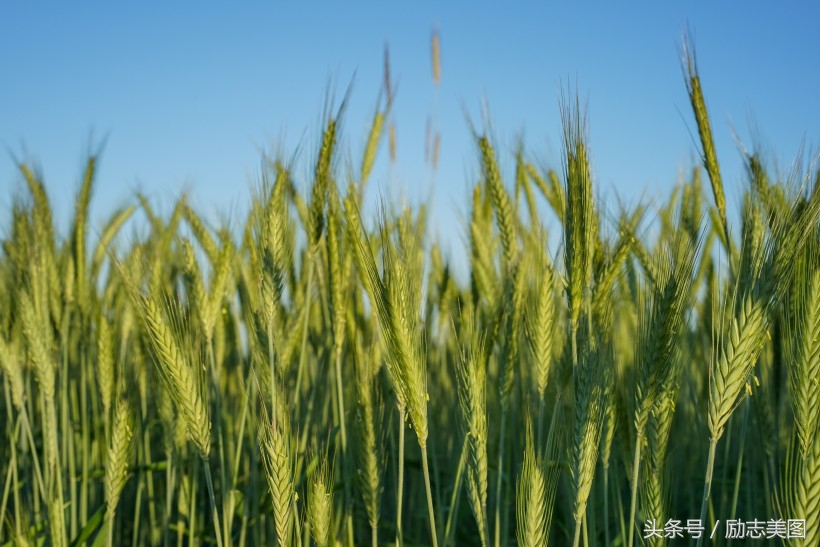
column 187, row 96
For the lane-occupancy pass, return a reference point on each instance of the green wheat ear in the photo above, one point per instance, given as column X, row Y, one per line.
column 174, row 367
column 398, row 331
column 119, row 456
column 538, row 483
column 105, row 363
column 277, row 455
column 501, row 201
column 531, row 507
column 472, row 395
column 320, row 505
column 11, row 363
column 373, row 140
column 698, row 103
column 590, row 380
column 580, row 224
column 541, row 320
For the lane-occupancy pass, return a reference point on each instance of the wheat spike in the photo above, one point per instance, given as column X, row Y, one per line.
column 370, row 150
column 279, row 464
column 436, row 55
column 12, row 366
column 119, row 456
column 589, row 383
column 540, row 326
column 803, row 338
column 473, row 403
column 404, row 365
column 501, row 201
column 579, row 223
column 320, row 183
column 320, row 506
column 531, row 506
column 105, row 363
column 175, row 369
column 705, row 131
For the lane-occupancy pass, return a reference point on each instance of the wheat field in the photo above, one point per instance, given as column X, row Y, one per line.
column 322, row 376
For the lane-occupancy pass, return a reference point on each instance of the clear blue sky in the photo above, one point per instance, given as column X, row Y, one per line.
column 187, row 94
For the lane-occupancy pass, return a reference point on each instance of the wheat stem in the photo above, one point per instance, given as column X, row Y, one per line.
column 636, row 469
column 577, row 537
column 209, row 481
column 707, row 483
column 454, row 500
column 430, row 510
column 305, row 330
column 739, row 471
column 400, row 485
column 605, row 489
column 499, row 481
column 343, row 432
